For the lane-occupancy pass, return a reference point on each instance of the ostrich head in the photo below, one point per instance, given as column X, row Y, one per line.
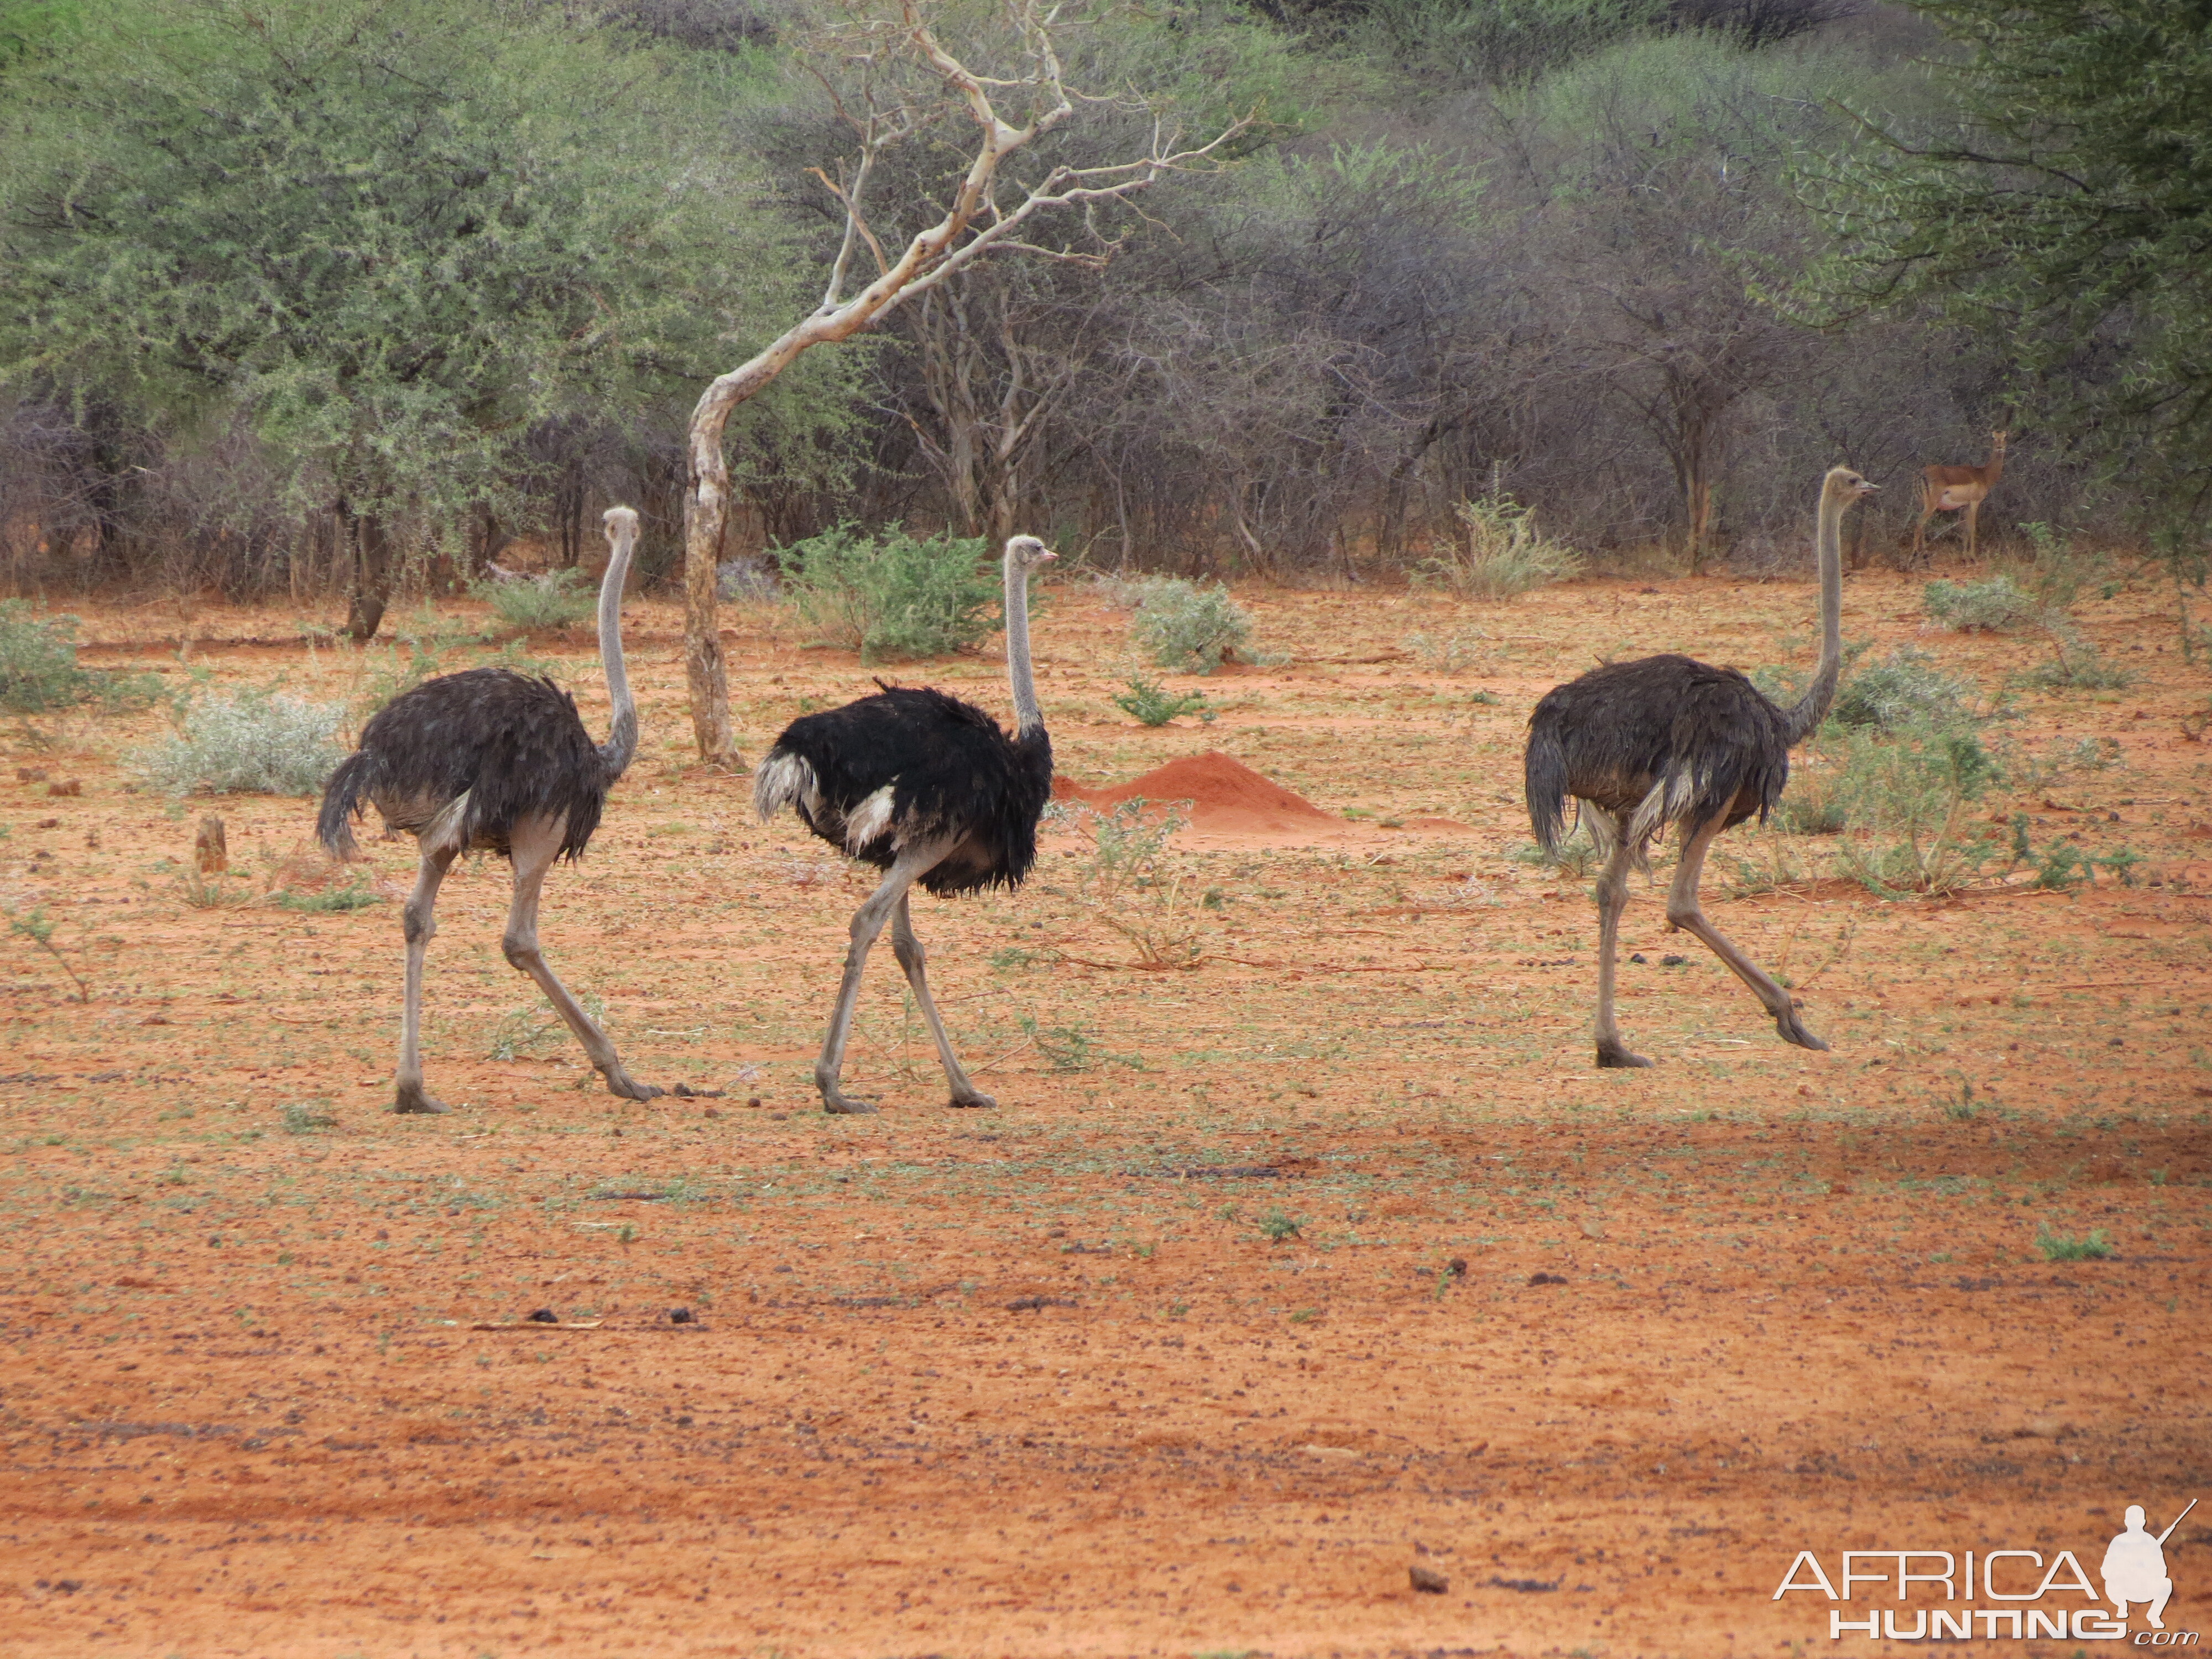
column 1843, row 487
column 1027, row 552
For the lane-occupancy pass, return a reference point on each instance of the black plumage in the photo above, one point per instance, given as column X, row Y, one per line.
column 952, row 771
column 1707, row 737
column 1668, row 739
column 513, row 746
column 929, row 790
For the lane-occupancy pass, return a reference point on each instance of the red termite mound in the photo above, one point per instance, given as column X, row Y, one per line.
column 1225, row 796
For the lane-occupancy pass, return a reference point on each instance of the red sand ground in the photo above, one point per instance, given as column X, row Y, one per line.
column 1325, row 1257
column 1222, row 796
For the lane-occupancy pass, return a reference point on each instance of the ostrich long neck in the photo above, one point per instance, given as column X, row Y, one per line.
column 622, row 734
column 1828, row 549
column 1027, row 718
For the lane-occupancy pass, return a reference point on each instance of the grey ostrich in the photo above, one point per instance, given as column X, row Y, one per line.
column 1669, row 739
column 493, row 761
column 928, row 789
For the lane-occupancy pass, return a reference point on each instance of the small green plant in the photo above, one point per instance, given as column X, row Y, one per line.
column 520, row 1031
column 1907, row 806
column 1577, row 854
column 1278, row 1224
column 2057, row 1247
column 298, row 1120
column 1154, row 705
column 248, row 742
column 1963, row 1109
column 1180, row 625
column 1305, row 1315
column 2077, row 667
column 1995, row 606
column 37, row 927
column 2062, row 863
column 39, row 668
column 557, row 600
column 1905, row 688
column 890, row 595
column 1813, row 804
column 358, row 893
column 1068, row 1048
column 1450, row 654
column 1502, row 553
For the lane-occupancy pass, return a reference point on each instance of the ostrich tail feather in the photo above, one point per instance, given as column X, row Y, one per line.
column 785, row 780
column 344, row 796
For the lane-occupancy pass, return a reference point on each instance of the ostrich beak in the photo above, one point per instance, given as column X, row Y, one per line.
column 1047, row 557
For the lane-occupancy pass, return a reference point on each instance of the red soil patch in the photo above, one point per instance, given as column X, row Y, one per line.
column 1225, row 796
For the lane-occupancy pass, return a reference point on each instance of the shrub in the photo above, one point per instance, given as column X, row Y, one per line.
column 892, row 595
column 1504, row 555
column 1154, row 705
column 1906, row 806
column 1813, row 804
column 740, row 581
column 247, row 742
column 559, row 599
column 1181, row 625
column 38, row 667
column 1905, row 688
column 1451, row 653
column 1995, row 606
column 2057, row 1247
column 2076, row 666
column 1577, row 854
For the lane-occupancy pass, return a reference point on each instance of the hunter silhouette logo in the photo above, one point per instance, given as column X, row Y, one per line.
column 2135, row 1567
column 2030, row 1593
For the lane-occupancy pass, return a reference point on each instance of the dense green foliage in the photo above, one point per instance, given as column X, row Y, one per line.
column 2064, row 203
column 893, row 594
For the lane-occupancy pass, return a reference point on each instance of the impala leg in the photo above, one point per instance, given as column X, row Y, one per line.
column 1683, row 911
column 1612, row 900
column 1973, row 527
column 907, row 949
column 536, row 842
column 867, row 923
column 421, row 927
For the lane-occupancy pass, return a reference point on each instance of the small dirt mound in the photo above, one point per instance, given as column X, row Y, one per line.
column 1224, row 795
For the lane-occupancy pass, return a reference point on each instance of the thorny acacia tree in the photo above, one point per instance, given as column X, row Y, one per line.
column 890, row 78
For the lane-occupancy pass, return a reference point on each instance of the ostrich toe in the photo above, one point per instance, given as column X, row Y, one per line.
column 838, row 1104
column 971, row 1097
column 622, row 1084
column 1793, row 1030
column 1611, row 1056
column 411, row 1097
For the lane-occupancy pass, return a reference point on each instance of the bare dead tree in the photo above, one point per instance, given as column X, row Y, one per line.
column 889, row 77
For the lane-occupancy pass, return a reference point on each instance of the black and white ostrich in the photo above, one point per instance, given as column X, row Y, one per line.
column 494, row 761
column 927, row 788
column 1672, row 740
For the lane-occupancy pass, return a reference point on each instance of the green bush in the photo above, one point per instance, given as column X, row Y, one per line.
column 891, row 595
column 2057, row 1247
column 559, row 599
column 1180, row 625
column 248, row 742
column 1154, row 705
column 1905, row 688
column 38, row 667
column 2076, row 666
column 1908, row 810
column 1504, row 555
column 1995, row 606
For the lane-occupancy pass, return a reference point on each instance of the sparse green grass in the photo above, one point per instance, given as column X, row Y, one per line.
column 1149, row 704
column 2057, row 1247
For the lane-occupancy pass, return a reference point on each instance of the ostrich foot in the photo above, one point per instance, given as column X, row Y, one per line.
column 623, row 1087
column 1793, row 1030
column 970, row 1097
column 410, row 1097
column 1611, row 1056
column 838, row 1104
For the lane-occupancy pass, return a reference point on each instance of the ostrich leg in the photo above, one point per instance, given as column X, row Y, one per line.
column 421, row 926
column 534, row 844
column 1612, row 900
column 867, row 923
column 907, row 949
column 1684, row 911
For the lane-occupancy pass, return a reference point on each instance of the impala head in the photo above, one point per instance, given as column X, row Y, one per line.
column 1027, row 552
column 1844, row 487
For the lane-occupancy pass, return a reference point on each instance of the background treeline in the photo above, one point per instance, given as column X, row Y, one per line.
column 298, row 290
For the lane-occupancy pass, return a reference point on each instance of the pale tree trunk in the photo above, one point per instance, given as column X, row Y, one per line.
column 972, row 225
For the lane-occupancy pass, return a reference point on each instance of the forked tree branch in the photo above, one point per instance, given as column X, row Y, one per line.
column 972, row 226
